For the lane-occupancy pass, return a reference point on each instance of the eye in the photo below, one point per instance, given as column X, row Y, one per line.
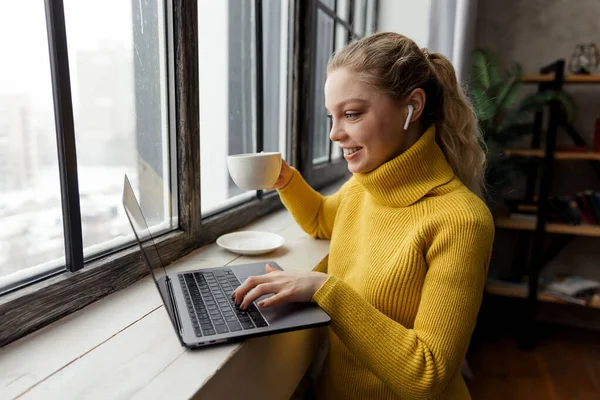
column 351, row 116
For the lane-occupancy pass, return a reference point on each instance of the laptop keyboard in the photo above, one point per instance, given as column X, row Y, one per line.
column 211, row 308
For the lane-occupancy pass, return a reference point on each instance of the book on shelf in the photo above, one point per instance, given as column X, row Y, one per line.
column 579, row 208
column 573, row 285
column 568, row 288
column 572, row 288
column 568, row 299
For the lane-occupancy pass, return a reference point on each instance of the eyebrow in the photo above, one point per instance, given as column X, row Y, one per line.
column 353, row 100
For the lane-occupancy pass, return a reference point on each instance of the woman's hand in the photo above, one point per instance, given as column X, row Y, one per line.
column 288, row 286
column 285, row 175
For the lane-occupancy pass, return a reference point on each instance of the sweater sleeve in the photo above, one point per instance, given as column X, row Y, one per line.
column 419, row 362
column 322, row 266
column 314, row 212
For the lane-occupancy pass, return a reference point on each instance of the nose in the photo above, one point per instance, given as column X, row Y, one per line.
column 336, row 134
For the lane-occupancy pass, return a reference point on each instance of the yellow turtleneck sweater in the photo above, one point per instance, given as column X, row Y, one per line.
column 408, row 260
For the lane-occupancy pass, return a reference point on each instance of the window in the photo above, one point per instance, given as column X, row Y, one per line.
column 335, row 23
column 163, row 94
column 325, row 33
column 119, row 90
column 31, row 238
column 117, row 105
column 231, row 95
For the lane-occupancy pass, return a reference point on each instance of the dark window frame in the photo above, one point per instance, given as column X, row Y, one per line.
column 321, row 174
column 59, row 293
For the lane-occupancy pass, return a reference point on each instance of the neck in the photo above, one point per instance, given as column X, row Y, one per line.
column 411, row 135
column 410, row 176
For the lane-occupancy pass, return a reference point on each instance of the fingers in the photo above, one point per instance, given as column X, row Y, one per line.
column 258, row 291
column 250, row 283
column 270, row 269
column 273, row 300
column 278, row 184
column 283, row 177
column 255, row 287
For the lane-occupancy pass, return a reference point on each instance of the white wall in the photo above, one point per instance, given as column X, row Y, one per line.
column 407, row 17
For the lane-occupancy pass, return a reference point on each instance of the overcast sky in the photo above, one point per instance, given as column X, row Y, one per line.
column 24, row 65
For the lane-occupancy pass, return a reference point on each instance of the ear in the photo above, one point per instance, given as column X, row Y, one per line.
column 416, row 98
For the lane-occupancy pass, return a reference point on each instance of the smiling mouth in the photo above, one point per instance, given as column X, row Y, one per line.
column 349, row 152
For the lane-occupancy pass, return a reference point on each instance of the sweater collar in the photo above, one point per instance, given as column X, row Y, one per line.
column 411, row 175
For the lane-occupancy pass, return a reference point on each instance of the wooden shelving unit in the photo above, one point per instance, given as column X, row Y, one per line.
column 541, row 78
column 532, row 251
column 530, row 225
column 559, row 155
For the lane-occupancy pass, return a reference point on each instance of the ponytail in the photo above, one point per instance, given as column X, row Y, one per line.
column 457, row 130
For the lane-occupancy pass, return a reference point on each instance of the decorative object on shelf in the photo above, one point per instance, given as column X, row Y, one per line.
column 505, row 113
column 585, row 59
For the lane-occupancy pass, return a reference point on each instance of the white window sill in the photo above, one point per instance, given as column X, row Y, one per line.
column 123, row 346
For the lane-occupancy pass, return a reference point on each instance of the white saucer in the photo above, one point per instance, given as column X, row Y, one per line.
column 250, row 242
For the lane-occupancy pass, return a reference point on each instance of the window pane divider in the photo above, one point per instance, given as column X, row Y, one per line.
column 65, row 133
column 309, row 30
column 182, row 23
column 335, row 11
column 260, row 88
column 339, row 20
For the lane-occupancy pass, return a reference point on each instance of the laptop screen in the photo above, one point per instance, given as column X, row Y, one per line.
column 145, row 241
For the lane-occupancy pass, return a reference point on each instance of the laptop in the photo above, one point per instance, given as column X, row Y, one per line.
column 199, row 302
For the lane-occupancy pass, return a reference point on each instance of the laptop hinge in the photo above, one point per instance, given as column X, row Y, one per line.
column 173, row 310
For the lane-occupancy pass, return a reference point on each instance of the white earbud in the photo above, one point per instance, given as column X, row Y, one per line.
column 411, row 109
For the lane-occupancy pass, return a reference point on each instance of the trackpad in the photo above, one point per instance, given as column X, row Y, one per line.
column 281, row 312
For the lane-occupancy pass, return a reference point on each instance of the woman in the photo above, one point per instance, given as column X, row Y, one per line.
column 410, row 236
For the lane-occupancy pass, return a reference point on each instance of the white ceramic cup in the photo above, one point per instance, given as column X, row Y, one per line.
column 254, row 171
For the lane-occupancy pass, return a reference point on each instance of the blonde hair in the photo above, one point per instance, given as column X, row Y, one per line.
column 395, row 65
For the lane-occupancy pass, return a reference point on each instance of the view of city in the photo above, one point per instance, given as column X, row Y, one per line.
column 104, row 91
column 118, row 87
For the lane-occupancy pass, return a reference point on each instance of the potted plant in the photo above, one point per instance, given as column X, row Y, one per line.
column 505, row 113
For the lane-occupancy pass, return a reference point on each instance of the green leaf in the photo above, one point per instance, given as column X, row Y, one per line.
column 481, row 104
column 485, row 69
column 485, row 108
column 537, row 101
column 511, row 90
column 567, row 103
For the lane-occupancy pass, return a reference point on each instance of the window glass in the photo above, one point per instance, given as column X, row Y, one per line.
column 321, row 126
column 31, row 238
column 228, row 91
column 119, row 86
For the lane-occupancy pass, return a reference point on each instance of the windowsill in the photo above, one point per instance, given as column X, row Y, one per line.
column 124, row 345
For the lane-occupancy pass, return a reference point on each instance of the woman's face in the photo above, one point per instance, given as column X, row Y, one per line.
column 366, row 124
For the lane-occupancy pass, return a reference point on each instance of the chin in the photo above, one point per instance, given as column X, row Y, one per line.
column 356, row 168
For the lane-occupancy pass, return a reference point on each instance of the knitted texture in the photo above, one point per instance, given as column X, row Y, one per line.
column 409, row 255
